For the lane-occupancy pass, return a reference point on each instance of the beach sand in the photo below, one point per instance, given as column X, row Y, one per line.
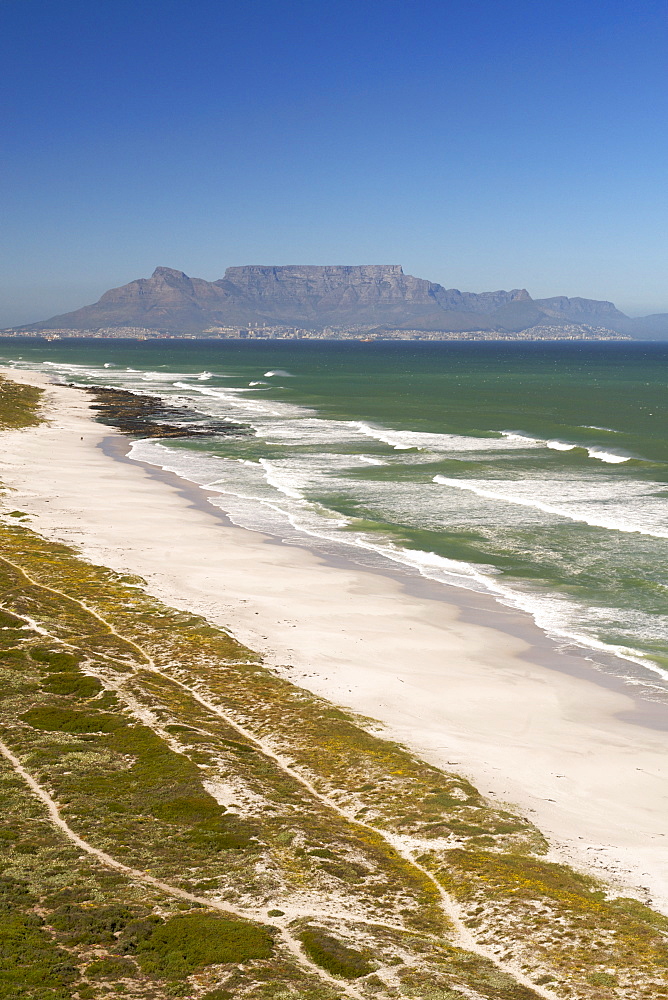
column 479, row 691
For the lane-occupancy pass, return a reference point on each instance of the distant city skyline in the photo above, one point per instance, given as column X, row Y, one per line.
column 481, row 146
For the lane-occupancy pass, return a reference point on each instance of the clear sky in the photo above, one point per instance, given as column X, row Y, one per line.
column 480, row 143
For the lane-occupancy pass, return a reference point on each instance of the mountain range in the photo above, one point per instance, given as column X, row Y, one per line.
column 315, row 297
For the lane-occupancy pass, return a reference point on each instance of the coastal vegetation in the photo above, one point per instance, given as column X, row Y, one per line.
column 179, row 821
column 19, row 405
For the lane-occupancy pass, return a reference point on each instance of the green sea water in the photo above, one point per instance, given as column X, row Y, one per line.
column 536, row 473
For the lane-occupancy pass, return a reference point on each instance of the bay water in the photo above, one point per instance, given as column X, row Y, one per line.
column 536, row 473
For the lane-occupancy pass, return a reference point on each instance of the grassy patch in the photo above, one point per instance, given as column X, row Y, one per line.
column 90, row 925
column 192, row 941
column 112, row 968
column 332, row 955
column 55, row 659
column 188, row 809
column 65, row 684
column 65, row 720
column 30, row 962
column 19, row 405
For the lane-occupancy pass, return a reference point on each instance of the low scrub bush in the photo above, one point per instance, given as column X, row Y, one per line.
column 7, row 620
column 112, row 968
column 31, row 964
column 77, row 685
column 53, row 659
column 135, row 933
column 211, row 839
column 65, row 720
column 194, row 940
column 19, row 404
column 190, row 809
column 333, row 955
column 91, row 925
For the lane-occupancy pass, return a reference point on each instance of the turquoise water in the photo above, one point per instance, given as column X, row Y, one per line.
column 537, row 473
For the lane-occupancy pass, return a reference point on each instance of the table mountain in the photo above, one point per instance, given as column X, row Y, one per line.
column 313, row 297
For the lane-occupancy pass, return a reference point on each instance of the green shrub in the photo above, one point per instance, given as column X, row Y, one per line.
column 19, row 404
column 54, row 659
column 7, row 620
column 191, row 941
column 187, row 809
column 68, row 895
column 29, row 960
column 12, row 891
column 135, row 933
column 13, row 656
column 602, row 979
column 91, row 925
column 214, row 837
column 333, row 955
column 112, row 968
column 67, row 683
column 64, row 720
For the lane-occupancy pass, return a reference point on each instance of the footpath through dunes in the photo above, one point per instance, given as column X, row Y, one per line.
column 166, row 754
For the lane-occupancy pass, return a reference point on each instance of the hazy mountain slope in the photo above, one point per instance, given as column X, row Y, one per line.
column 168, row 300
column 653, row 327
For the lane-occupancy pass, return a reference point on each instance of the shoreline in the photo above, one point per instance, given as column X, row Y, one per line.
column 474, row 608
column 467, row 686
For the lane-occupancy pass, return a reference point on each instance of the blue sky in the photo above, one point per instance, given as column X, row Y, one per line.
column 480, row 144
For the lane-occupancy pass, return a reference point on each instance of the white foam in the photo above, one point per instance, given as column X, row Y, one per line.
column 276, row 480
column 588, row 501
column 425, row 441
column 611, row 457
column 166, row 376
column 522, row 438
column 602, row 454
column 368, row 460
column 557, row 445
column 278, row 371
column 221, row 393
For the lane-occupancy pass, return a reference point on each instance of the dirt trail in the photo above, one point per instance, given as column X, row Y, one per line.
column 464, row 938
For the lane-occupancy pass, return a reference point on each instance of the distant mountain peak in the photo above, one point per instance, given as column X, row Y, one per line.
column 168, row 272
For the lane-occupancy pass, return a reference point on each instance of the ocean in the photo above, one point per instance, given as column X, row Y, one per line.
column 536, row 473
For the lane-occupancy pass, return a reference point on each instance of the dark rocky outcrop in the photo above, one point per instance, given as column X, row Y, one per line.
column 149, row 416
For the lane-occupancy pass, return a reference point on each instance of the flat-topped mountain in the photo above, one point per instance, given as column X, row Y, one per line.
column 333, row 295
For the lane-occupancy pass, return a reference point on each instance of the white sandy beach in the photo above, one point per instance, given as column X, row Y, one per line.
column 460, row 694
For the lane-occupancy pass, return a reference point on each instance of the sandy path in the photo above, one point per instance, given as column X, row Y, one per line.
column 464, row 696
